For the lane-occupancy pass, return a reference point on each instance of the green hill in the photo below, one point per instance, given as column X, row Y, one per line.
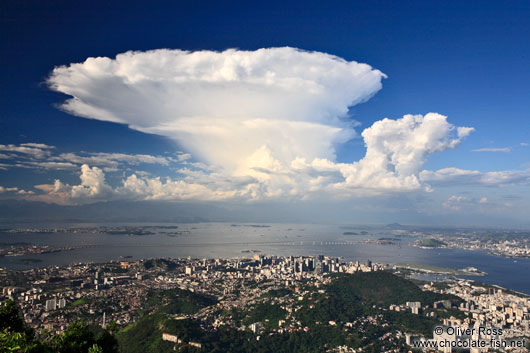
column 145, row 335
column 348, row 298
column 351, row 296
column 381, row 288
column 177, row 301
column 431, row 243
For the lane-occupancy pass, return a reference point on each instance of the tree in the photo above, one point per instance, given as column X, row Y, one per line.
column 77, row 338
column 80, row 338
column 20, row 342
column 15, row 337
column 10, row 319
column 95, row 349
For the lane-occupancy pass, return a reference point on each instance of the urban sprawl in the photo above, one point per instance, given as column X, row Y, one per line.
column 120, row 291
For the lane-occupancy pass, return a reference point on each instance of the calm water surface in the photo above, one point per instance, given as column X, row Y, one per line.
column 213, row 240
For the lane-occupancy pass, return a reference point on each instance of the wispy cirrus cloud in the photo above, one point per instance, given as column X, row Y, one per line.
column 41, row 156
column 493, row 149
column 456, row 176
column 35, row 150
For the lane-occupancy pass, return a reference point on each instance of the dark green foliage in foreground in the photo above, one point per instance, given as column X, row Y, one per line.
column 78, row 338
column 146, row 336
column 14, row 335
column 10, row 318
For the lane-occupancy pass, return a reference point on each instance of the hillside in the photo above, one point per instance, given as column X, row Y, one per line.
column 382, row 288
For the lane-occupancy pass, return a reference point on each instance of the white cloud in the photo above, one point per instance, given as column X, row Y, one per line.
column 524, row 144
column 48, row 165
column 92, row 184
column 456, row 176
column 223, row 107
column 476, row 205
column 4, row 189
column 455, row 202
column 183, row 157
column 37, row 145
column 396, row 150
column 395, row 153
column 111, row 159
column 91, row 189
column 491, row 149
column 41, row 156
column 27, row 149
column 270, row 117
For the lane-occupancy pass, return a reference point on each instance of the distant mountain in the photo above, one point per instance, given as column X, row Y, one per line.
column 396, row 226
column 120, row 211
column 16, row 211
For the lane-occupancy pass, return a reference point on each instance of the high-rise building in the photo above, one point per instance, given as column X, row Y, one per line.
column 51, row 304
column 61, row 303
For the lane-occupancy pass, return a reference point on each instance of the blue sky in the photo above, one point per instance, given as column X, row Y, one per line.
column 466, row 61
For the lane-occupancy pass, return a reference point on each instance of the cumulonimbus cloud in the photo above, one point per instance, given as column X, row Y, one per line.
column 224, row 106
column 264, row 123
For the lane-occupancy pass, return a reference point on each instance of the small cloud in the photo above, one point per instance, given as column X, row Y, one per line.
column 524, row 144
column 493, row 149
column 3, row 189
column 483, row 200
column 456, row 176
column 464, row 131
column 37, row 145
column 455, row 202
column 183, row 156
column 25, row 192
column 51, row 165
column 28, row 150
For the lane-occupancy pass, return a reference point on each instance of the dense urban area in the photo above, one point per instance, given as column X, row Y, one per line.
column 257, row 303
column 499, row 243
